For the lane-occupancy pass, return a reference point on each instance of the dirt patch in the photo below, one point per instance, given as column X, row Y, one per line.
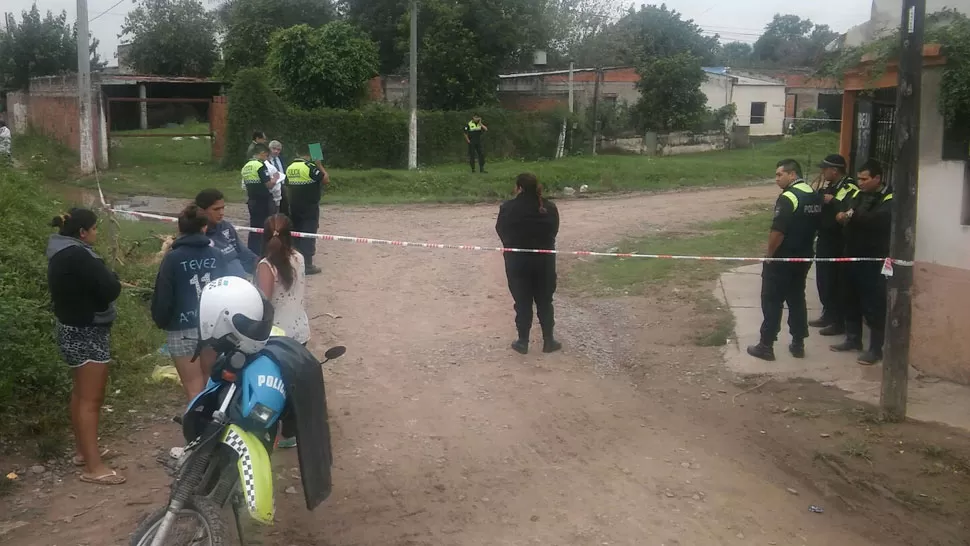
column 443, row 436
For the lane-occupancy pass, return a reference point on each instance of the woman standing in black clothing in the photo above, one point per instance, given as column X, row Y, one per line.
column 83, row 292
column 530, row 222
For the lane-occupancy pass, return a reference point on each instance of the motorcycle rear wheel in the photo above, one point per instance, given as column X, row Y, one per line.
column 212, row 529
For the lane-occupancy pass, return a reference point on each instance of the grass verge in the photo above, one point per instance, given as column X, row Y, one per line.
column 35, row 383
column 179, row 168
column 744, row 235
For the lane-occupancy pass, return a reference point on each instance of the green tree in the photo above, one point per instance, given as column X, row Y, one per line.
column 323, row 67
column 39, row 46
column 171, row 38
column 735, row 54
column 248, row 26
column 789, row 40
column 651, row 31
column 382, row 20
column 670, row 93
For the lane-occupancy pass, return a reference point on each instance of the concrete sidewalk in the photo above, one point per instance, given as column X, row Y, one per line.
column 929, row 399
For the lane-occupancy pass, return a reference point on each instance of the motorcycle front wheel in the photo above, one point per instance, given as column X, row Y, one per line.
column 199, row 523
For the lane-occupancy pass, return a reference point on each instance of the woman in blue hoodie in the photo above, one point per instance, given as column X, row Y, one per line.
column 191, row 264
column 83, row 291
column 240, row 261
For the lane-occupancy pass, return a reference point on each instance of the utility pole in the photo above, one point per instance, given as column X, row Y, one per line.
column 413, row 91
column 571, row 68
column 895, row 371
column 84, row 88
column 596, row 102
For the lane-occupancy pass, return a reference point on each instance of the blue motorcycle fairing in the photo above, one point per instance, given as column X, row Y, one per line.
column 210, row 387
column 261, row 382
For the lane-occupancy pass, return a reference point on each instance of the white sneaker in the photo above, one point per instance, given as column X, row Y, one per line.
column 176, row 452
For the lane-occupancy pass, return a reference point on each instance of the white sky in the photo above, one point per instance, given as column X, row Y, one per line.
column 740, row 20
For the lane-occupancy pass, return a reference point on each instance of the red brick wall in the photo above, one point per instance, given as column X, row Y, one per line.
column 218, row 123
column 532, row 103
column 56, row 117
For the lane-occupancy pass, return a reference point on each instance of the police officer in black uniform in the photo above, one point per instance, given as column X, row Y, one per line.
column 256, row 179
column 473, row 136
column 306, row 180
column 867, row 216
column 830, row 276
column 530, row 222
column 797, row 215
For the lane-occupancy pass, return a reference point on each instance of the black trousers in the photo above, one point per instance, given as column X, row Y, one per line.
column 284, row 203
column 830, row 280
column 866, row 299
column 259, row 211
column 475, row 148
column 306, row 219
column 532, row 280
column 782, row 283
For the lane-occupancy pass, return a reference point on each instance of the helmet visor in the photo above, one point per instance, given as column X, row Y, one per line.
column 258, row 330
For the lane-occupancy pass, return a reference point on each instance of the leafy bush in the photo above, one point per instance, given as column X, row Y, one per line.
column 323, row 67
column 376, row 136
column 35, row 383
column 809, row 122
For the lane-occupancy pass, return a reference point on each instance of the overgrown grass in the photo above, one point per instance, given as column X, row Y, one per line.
column 34, row 381
column 131, row 152
column 161, row 166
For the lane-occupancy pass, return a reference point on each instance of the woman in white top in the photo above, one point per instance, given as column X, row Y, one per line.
column 281, row 275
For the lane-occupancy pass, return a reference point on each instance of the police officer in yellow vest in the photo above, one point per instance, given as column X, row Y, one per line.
column 306, row 179
column 258, row 182
column 867, row 217
column 830, row 276
column 473, row 136
column 798, row 212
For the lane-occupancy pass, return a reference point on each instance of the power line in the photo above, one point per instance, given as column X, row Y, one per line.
column 96, row 17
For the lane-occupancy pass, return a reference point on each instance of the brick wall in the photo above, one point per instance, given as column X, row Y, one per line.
column 218, row 124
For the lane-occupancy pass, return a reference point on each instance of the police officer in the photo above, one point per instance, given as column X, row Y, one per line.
column 306, row 181
column 530, row 222
column 258, row 183
column 797, row 215
column 867, row 216
column 473, row 136
column 830, row 276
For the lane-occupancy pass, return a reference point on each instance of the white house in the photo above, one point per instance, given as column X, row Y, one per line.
column 760, row 102
column 939, row 343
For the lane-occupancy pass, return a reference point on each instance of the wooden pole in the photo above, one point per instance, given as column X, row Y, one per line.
column 895, row 371
column 413, row 90
column 596, row 102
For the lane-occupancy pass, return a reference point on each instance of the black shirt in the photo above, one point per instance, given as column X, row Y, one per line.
column 520, row 224
column 305, row 182
column 798, row 212
column 82, row 287
column 841, row 190
column 868, row 232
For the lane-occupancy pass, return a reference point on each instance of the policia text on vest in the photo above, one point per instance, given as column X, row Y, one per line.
column 798, row 212
column 256, row 179
column 306, row 181
column 473, row 136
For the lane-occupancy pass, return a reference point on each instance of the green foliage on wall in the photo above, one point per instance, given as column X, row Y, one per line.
column 376, row 136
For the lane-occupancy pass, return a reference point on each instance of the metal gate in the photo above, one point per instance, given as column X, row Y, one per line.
column 884, row 139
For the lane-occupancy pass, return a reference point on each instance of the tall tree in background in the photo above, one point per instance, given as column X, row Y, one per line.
column 171, row 38
column 464, row 46
column 568, row 24
column 670, row 93
column 652, row 31
column 248, row 26
column 323, row 67
column 39, row 46
column 735, row 54
column 791, row 41
column 382, row 20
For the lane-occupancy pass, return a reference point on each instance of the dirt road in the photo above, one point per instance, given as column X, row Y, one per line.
column 443, row 436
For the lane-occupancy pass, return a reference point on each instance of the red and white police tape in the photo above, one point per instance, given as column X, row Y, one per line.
column 887, row 262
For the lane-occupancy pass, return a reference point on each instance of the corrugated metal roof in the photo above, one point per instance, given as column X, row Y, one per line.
column 738, row 79
column 556, row 72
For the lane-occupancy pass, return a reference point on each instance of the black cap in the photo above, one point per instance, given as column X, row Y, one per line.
column 834, row 160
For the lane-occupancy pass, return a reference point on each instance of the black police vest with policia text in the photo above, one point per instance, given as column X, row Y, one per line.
column 254, row 178
column 303, row 179
column 798, row 213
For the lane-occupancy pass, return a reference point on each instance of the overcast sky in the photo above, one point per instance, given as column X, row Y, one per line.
column 740, row 20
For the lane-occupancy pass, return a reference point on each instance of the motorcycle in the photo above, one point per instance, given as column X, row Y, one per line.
column 231, row 429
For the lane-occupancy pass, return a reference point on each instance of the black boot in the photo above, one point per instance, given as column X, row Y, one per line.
column 870, row 358
column 851, row 343
column 521, row 346
column 312, row 269
column 821, row 322
column 833, row 329
column 550, row 345
column 797, row 348
column 762, row 351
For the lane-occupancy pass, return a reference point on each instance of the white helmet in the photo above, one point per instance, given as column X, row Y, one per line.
column 233, row 314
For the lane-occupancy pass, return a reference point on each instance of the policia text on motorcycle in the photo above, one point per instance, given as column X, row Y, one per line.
column 260, row 200
column 798, row 212
column 830, row 277
column 306, row 181
column 867, row 216
column 473, row 136
column 530, row 222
